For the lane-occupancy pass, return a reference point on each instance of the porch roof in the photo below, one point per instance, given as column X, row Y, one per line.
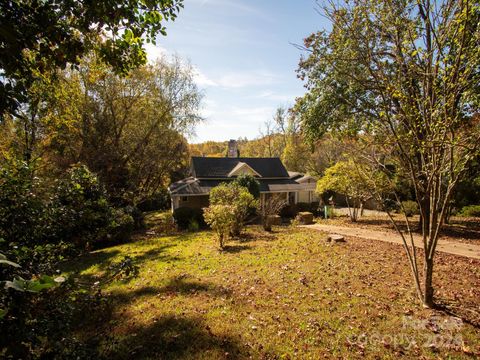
column 192, row 186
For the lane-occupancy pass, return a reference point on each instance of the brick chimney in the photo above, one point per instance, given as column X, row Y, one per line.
column 233, row 149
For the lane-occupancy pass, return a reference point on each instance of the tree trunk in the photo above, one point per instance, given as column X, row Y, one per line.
column 424, row 223
column 350, row 210
column 267, row 226
column 428, row 291
column 220, row 238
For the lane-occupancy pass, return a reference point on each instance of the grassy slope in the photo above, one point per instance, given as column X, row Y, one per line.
column 282, row 295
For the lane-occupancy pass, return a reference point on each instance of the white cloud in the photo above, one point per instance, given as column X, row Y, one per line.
column 235, row 80
column 223, row 122
column 252, row 114
column 201, row 79
column 246, row 79
column 154, row 52
column 209, row 108
column 270, row 95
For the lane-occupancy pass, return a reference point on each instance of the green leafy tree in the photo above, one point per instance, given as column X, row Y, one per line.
column 128, row 130
column 296, row 155
column 39, row 37
column 222, row 219
column 248, row 181
column 23, row 214
column 343, row 178
column 238, row 198
column 406, row 74
column 350, row 179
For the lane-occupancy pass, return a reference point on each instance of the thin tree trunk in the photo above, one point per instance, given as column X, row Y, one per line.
column 428, row 286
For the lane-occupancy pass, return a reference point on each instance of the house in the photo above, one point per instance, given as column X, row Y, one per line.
column 208, row 172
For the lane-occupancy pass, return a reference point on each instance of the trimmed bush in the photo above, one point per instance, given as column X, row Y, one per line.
column 303, row 206
column 470, row 211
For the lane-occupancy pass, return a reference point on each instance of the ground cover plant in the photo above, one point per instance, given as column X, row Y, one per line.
column 283, row 294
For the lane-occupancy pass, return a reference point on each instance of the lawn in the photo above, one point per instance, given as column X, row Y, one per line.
column 281, row 295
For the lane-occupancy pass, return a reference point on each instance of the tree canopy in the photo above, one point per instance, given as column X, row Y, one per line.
column 38, row 37
column 407, row 75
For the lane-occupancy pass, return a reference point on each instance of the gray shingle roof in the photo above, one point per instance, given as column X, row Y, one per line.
column 210, row 167
column 203, row 186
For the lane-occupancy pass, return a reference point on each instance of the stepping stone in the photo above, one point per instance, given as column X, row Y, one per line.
column 335, row 238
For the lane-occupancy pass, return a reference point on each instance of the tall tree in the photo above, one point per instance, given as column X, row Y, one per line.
column 127, row 129
column 407, row 74
column 40, row 36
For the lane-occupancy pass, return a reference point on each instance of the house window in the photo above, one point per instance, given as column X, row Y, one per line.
column 291, row 198
column 184, row 198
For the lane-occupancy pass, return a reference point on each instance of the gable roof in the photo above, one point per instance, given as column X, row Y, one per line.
column 215, row 168
column 242, row 166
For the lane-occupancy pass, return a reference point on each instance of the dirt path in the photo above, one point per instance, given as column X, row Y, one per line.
column 446, row 246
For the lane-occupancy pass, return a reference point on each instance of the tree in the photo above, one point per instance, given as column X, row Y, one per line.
column 269, row 139
column 238, row 197
column 296, row 155
column 347, row 178
column 39, row 37
column 222, row 219
column 129, row 130
column 250, row 183
column 407, row 74
column 327, row 152
column 341, row 179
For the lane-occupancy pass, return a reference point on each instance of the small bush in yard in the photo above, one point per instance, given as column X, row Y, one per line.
column 193, row 225
column 222, row 219
column 184, row 216
column 410, row 208
column 470, row 211
column 236, row 196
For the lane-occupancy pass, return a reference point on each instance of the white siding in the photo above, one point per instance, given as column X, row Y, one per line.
column 304, row 196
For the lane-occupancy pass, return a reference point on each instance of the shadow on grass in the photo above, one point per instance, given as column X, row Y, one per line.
column 255, row 236
column 233, row 249
column 174, row 337
column 104, row 259
column 157, row 253
column 79, row 264
column 180, row 285
column 466, row 230
column 468, row 315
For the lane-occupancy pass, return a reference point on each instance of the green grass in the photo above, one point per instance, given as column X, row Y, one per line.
column 287, row 294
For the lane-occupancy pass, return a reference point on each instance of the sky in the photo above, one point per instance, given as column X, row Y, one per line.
column 244, row 59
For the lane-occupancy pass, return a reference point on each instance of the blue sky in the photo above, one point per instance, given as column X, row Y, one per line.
column 244, row 59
